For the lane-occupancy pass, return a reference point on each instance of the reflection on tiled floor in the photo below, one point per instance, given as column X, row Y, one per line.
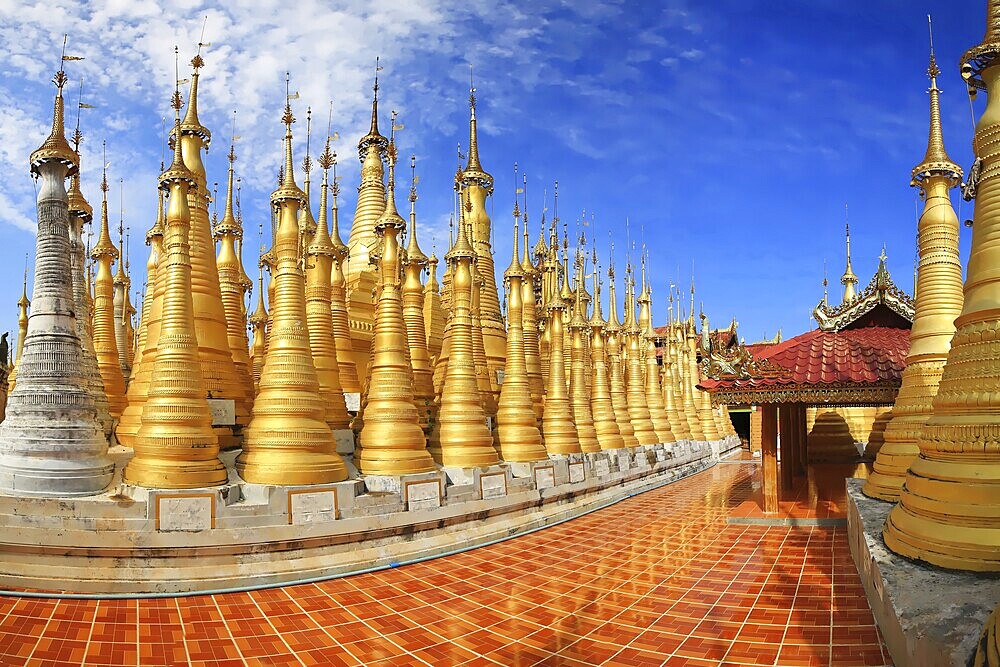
column 819, row 494
column 657, row 579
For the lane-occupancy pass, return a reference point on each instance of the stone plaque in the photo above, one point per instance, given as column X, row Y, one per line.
column 223, row 411
column 493, row 485
column 545, row 477
column 185, row 513
column 500, row 376
column 423, row 495
column 353, row 401
column 623, row 461
column 312, row 506
column 602, row 468
column 661, row 455
column 576, row 473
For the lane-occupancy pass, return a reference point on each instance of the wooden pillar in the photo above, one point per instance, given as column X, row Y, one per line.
column 785, row 441
column 769, row 455
column 802, row 459
column 754, row 428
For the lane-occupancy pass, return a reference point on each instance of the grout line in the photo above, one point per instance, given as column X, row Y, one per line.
column 41, row 636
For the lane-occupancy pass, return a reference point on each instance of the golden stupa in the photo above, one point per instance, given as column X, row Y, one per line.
column 22, row 331
column 638, row 410
column 220, row 375
column 647, row 350
column 175, row 446
column 319, row 257
column 413, row 315
column 605, row 425
column 105, row 342
column 517, row 427
column 938, row 301
column 949, row 507
column 288, row 440
column 462, row 432
column 228, row 232
column 529, row 321
column 258, row 320
column 579, row 389
column 616, row 380
column 392, row 441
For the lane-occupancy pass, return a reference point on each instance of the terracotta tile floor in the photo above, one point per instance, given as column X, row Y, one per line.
column 658, row 579
column 819, row 494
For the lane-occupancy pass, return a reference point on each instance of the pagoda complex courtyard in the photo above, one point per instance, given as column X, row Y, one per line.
column 309, row 441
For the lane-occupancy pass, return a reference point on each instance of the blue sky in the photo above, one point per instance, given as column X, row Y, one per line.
column 730, row 134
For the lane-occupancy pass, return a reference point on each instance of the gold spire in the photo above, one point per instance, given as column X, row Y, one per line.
column 55, row 147
column 848, row 280
column 434, row 315
column 936, row 160
column 227, row 231
column 709, row 425
column 105, row 342
column 307, row 223
column 338, row 298
column 175, row 446
column 529, row 319
column 258, row 320
column 319, row 267
column 579, row 392
column 619, row 396
column 122, row 285
column 413, row 313
column 22, row 327
column 517, row 428
column 474, row 169
column 288, row 440
column 672, row 399
column 461, row 429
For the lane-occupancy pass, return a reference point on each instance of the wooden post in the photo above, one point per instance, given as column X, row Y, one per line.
column 769, row 456
column 755, row 428
column 787, row 445
column 803, row 457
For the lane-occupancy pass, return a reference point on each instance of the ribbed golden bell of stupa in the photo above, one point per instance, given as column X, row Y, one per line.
column 149, row 332
column 529, row 321
column 22, row 331
column 258, row 321
column 80, row 214
column 568, row 296
column 221, row 377
column 616, row 379
column 413, row 317
column 371, row 196
column 288, row 440
column 517, row 428
column 938, row 302
column 175, row 446
column 227, row 232
column 876, row 437
column 434, row 315
column 557, row 419
column 605, row 425
column 830, row 440
column 338, row 300
column 949, row 507
column 462, row 432
column 635, row 388
column 105, row 344
column 319, row 256
column 579, row 390
column 654, row 392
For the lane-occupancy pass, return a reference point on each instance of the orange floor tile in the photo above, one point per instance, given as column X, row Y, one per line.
column 819, row 494
column 658, row 579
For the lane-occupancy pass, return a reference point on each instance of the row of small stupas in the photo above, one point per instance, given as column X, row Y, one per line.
column 442, row 378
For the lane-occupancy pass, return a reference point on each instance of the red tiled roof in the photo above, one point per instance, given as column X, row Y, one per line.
column 870, row 355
